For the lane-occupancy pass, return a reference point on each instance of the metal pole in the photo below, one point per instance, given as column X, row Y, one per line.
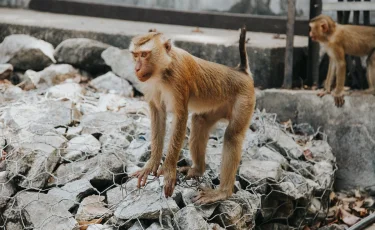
column 288, row 71
column 313, row 52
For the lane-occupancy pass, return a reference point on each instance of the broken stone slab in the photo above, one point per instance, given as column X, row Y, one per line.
column 69, row 90
column 7, row 189
column 26, row 52
column 295, row 186
column 256, row 171
column 101, row 170
column 73, row 132
column 114, row 142
column 138, row 225
column 122, row 65
column 275, row 226
column 304, row 168
column 33, row 161
column 324, row 174
column 39, row 117
column 188, row 218
column 52, row 75
column 103, row 122
column 82, row 52
column 286, row 145
column 139, row 150
column 40, row 211
column 146, row 205
column 99, row 227
column 266, row 154
column 154, row 226
column 111, row 102
column 72, row 193
column 117, row 194
column 6, row 71
column 9, row 92
column 109, row 82
column 92, row 207
column 321, row 151
column 81, row 147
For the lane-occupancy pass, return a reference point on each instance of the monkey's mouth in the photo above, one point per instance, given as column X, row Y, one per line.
column 144, row 77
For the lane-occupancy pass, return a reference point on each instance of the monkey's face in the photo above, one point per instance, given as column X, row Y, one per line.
column 318, row 31
column 143, row 65
column 313, row 32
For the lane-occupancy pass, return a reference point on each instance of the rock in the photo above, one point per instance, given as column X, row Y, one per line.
column 139, row 150
column 286, row 145
column 32, row 161
column 7, row 189
column 324, row 174
column 154, row 226
column 111, row 82
column 73, row 132
column 40, row 211
column 303, row 129
column 275, row 226
column 119, row 224
column 52, row 75
column 92, row 207
column 137, row 226
column 267, row 154
column 103, row 122
column 122, row 65
column 102, row 170
column 114, row 142
column 39, row 118
column 82, row 52
column 72, row 193
column 9, row 92
column 338, row 227
column 306, row 169
column 6, row 71
column 69, row 90
column 295, row 186
column 119, row 193
column 229, row 213
column 256, row 171
column 26, row 52
column 149, row 205
column 111, row 102
column 81, row 147
column 188, row 218
column 321, row 151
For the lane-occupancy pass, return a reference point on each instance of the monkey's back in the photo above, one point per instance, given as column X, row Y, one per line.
column 356, row 40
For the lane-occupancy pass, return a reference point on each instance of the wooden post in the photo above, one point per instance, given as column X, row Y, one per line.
column 288, row 71
column 313, row 52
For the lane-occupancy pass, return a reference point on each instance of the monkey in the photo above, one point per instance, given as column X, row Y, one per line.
column 175, row 81
column 339, row 40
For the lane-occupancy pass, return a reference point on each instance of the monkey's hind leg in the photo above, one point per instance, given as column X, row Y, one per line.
column 231, row 156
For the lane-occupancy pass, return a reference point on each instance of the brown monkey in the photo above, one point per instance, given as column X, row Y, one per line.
column 177, row 81
column 339, row 40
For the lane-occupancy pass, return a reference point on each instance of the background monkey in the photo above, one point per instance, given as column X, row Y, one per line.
column 177, row 81
column 339, row 40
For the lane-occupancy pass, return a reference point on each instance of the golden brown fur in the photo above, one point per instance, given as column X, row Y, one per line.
column 339, row 40
column 181, row 82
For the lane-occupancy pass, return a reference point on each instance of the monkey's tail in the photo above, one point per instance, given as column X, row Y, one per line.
column 244, row 66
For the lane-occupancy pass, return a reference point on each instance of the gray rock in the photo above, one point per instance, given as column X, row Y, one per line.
column 52, row 75
column 154, row 226
column 101, row 170
column 82, row 52
column 73, row 132
column 321, row 151
column 229, row 213
column 139, row 150
column 26, row 52
column 256, row 171
column 99, row 227
column 119, row 193
column 114, row 142
column 111, row 102
column 6, row 71
column 81, row 147
column 72, row 193
column 69, row 90
column 103, row 122
column 9, row 92
column 267, row 154
column 41, row 211
column 33, row 160
column 92, row 207
column 324, row 174
column 111, row 82
column 338, row 227
column 119, row 223
column 274, row 226
column 306, row 169
column 146, row 205
column 295, row 186
column 188, row 218
column 137, row 226
column 286, row 145
column 7, row 189
column 122, row 65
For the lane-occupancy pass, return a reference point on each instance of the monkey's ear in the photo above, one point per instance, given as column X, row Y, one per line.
column 168, row 45
column 324, row 27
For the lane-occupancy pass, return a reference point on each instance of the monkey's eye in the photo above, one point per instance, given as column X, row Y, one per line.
column 144, row 54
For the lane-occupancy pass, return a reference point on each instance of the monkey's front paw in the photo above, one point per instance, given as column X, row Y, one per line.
column 323, row 93
column 170, row 176
column 339, row 99
column 143, row 173
column 207, row 196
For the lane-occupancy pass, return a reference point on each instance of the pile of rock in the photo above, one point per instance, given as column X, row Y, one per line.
column 72, row 132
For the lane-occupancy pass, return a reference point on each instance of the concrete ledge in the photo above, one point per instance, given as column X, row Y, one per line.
column 266, row 53
column 350, row 130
